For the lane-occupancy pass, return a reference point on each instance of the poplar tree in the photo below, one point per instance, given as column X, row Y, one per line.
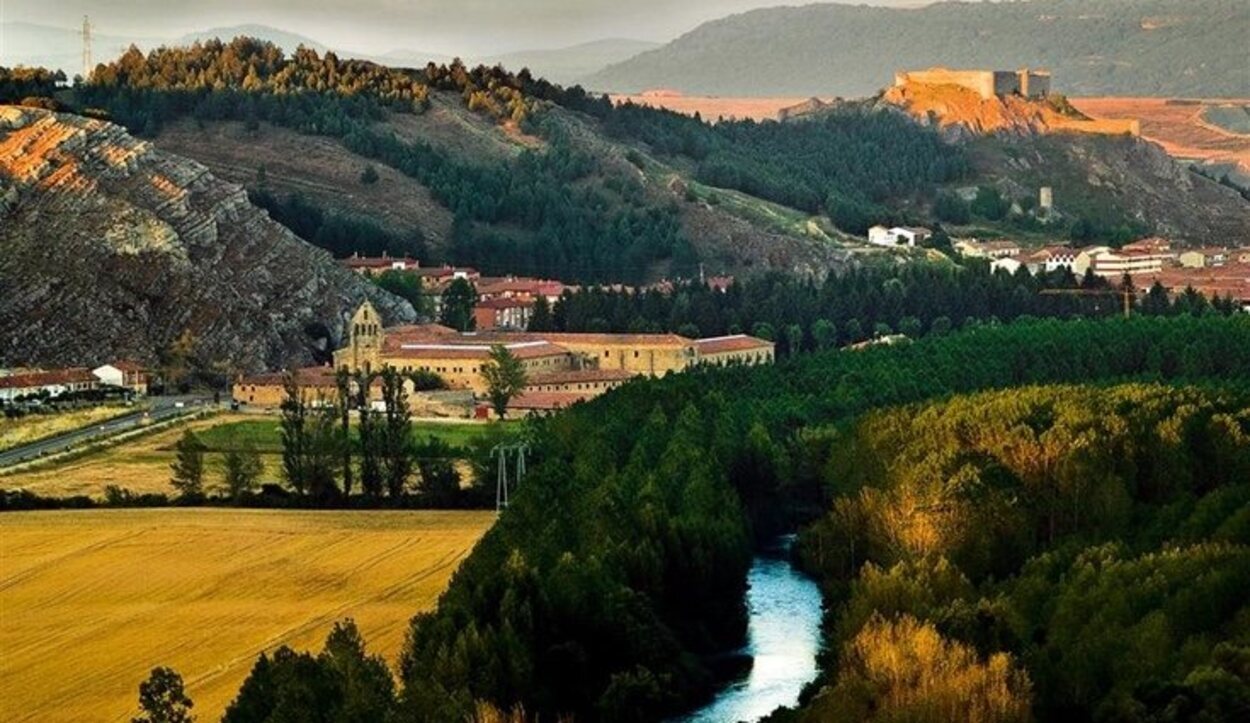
column 188, row 467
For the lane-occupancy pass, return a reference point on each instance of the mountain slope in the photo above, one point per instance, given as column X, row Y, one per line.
column 114, row 249
column 1112, row 47
column 571, row 64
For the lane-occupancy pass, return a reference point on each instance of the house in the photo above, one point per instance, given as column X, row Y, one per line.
column 376, row 265
column 975, row 249
column 503, row 313
column 27, row 384
column 898, row 236
column 1152, row 245
column 123, row 374
column 1203, row 258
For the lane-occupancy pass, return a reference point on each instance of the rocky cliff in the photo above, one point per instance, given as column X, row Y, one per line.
column 110, row 248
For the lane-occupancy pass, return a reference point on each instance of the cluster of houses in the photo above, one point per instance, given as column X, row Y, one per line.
column 34, row 385
column 1211, row 271
column 504, row 303
column 561, row 368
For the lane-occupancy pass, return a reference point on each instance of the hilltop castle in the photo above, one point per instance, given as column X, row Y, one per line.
column 988, row 84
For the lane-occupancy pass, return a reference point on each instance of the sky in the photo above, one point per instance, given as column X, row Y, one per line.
column 450, row 27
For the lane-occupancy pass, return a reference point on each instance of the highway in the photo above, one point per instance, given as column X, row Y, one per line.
column 163, row 408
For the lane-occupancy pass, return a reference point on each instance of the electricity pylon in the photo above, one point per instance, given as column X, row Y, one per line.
column 501, row 487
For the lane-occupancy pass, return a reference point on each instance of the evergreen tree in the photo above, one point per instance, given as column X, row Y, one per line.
column 458, row 302
column 188, row 467
column 541, row 320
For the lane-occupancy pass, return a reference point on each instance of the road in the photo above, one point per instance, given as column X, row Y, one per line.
column 163, row 408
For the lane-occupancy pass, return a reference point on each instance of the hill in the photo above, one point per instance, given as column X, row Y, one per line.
column 571, row 64
column 281, row 38
column 114, row 250
column 1113, row 47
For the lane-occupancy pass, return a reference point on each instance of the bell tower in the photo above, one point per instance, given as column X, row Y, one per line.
column 364, row 347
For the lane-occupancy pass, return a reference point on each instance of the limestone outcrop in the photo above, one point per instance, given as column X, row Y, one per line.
column 110, row 249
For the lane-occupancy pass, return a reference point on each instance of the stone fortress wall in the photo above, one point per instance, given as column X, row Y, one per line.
column 986, row 83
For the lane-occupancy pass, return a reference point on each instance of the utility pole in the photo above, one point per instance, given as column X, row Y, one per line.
column 86, row 48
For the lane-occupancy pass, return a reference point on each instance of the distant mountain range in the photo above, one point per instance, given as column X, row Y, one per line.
column 1107, row 47
column 61, row 48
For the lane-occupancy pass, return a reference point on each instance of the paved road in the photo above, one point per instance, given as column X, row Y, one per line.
column 163, row 408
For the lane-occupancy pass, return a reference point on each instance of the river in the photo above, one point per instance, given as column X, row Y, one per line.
column 783, row 638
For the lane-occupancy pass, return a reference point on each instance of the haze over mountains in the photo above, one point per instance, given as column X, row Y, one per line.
column 61, row 48
column 1109, row 47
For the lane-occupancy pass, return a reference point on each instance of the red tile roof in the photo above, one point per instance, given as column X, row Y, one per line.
column 738, row 342
column 55, row 377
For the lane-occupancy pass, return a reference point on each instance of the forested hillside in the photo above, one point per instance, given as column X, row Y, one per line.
column 1111, row 47
column 1077, row 551
column 620, row 566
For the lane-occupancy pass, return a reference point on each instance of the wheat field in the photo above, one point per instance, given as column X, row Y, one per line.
column 91, row 600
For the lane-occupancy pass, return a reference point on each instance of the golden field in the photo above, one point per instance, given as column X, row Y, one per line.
column 140, row 465
column 91, row 600
column 34, row 427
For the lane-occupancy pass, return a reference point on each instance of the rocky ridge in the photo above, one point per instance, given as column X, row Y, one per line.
column 113, row 249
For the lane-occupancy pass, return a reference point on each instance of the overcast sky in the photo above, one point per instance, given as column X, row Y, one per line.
column 470, row 27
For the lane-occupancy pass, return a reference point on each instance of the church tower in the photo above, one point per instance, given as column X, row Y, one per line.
column 364, row 346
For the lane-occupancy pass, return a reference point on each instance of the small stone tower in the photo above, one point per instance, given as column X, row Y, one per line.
column 1046, row 199
column 364, row 346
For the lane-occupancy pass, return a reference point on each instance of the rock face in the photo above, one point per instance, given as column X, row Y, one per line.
column 111, row 249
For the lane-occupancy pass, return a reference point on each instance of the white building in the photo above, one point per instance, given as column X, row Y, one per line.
column 898, row 236
column 126, row 375
column 53, row 383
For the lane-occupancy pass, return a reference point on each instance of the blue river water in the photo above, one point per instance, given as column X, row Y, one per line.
column 783, row 638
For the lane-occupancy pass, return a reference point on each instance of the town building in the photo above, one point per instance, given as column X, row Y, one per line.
column 521, row 287
column 267, row 391
column 28, row 384
column 1110, row 263
column 898, row 236
column 377, row 265
column 503, row 313
column 975, row 249
column 123, row 374
column 1203, row 258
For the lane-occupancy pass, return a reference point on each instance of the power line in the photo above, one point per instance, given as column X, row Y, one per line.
column 501, row 451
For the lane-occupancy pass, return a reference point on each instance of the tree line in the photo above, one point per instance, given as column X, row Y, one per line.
column 855, row 305
column 619, row 571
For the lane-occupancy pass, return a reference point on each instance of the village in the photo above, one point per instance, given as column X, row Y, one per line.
column 1213, row 271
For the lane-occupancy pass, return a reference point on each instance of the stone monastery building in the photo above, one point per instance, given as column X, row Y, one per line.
column 553, row 361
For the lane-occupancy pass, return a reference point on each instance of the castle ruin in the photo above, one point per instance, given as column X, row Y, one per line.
column 989, row 84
